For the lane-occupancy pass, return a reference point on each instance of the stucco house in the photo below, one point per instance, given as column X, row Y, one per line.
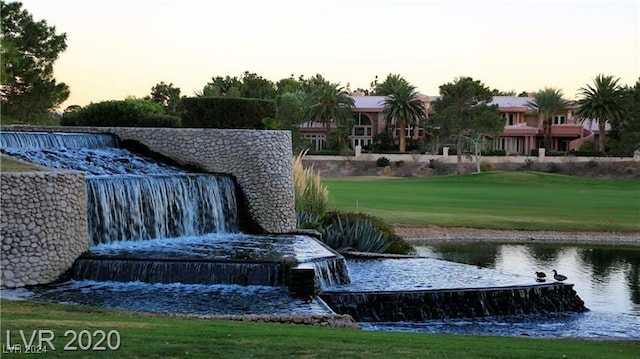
column 523, row 128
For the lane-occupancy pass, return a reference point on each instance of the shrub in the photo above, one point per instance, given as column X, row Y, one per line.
column 125, row 113
column 396, row 244
column 354, row 234
column 400, row 163
column 583, row 153
column 225, row 112
column 311, row 195
column 497, row 153
column 306, row 220
column 155, row 120
column 592, row 164
column 383, row 142
column 528, row 164
column 382, row 162
column 437, row 165
column 553, row 167
column 486, row 166
column 587, row 147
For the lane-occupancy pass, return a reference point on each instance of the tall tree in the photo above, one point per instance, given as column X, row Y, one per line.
column 547, row 103
column 404, row 107
column 463, row 112
column 29, row 49
column 328, row 103
column 288, row 85
column 389, row 85
column 222, row 86
column 624, row 137
column 604, row 101
column 256, row 86
column 166, row 96
column 314, row 83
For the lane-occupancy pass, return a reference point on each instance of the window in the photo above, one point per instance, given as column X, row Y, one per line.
column 409, row 131
column 509, row 118
column 511, row 145
column 559, row 120
column 362, row 131
column 317, row 140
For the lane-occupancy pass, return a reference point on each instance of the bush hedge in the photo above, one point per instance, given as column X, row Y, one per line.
column 225, row 112
column 120, row 113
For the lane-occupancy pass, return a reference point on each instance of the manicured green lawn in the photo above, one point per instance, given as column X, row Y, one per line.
column 497, row 200
column 158, row 336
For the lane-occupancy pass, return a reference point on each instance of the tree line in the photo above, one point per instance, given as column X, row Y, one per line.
column 461, row 116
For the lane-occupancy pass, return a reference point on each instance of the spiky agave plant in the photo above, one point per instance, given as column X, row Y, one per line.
column 354, row 234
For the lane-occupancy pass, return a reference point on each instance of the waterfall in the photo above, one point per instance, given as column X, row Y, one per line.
column 176, row 271
column 130, row 197
column 56, row 140
column 329, row 271
column 130, row 208
column 132, row 200
column 455, row 303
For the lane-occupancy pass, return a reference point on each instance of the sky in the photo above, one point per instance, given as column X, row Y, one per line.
column 121, row 48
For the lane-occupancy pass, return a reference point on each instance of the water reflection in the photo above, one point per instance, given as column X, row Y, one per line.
column 606, row 278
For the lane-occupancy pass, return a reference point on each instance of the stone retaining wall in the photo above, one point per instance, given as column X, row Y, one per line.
column 321, row 320
column 260, row 161
column 44, row 225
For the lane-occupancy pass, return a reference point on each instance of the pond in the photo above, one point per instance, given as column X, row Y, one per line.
column 606, row 278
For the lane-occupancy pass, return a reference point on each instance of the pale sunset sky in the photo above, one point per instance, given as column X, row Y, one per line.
column 120, row 48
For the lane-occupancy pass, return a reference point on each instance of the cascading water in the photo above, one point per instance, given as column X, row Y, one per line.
column 134, row 208
column 133, row 200
column 40, row 140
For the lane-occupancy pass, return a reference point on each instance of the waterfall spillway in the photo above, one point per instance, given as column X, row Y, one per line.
column 130, row 197
column 423, row 305
column 40, row 140
column 148, row 207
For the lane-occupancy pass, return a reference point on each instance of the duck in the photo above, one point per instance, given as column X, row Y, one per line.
column 541, row 277
column 559, row 277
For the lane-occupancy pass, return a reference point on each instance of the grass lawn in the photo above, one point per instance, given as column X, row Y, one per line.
column 158, row 336
column 496, row 200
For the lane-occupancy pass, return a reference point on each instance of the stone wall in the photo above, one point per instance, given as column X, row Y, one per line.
column 44, row 225
column 260, row 161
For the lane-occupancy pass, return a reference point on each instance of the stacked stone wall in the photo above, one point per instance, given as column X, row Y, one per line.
column 44, row 225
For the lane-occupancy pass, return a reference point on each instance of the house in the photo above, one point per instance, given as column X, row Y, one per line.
column 523, row 129
column 368, row 122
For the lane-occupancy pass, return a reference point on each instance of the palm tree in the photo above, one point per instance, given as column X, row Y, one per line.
column 387, row 87
column 605, row 101
column 548, row 102
column 329, row 103
column 404, row 106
